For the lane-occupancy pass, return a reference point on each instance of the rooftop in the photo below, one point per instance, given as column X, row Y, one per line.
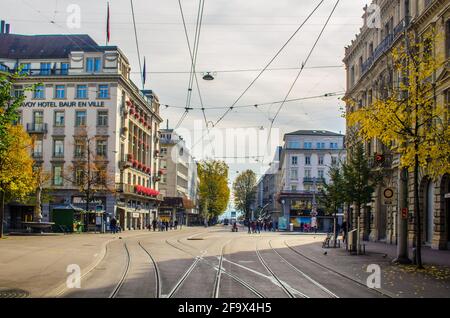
column 15, row 46
column 314, row 133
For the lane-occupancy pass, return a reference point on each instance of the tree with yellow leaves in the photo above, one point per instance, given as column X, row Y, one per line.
column 409, row 119
column 16, row 168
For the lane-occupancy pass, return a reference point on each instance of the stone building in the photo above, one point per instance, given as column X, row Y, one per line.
column 86, row 103
column 305, row 160
column 369, row 75
column 179, row 180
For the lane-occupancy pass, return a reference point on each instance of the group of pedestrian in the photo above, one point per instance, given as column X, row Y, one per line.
column 256, row 226
column 162, row 226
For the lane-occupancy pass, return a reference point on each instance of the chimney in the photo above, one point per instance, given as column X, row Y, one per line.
column 2, row 27
column 7, row 28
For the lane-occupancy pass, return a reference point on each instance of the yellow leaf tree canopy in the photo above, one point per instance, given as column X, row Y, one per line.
column 213, row 188
column 407, row 115
column 16, row 166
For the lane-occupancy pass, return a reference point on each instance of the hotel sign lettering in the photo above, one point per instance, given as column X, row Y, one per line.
column 63, row 104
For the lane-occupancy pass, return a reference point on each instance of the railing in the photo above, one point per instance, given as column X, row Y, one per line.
column 312, row 180
column 37, row 155
column 42, row 72
column 385, row 45
column 37, row 128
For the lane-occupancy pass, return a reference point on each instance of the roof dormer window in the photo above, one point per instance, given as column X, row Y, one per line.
column 93, row 64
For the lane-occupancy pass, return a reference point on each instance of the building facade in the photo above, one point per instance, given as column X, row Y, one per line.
column 179, row 182
column 86, row 118
column 268, row 189
column 305, row 160
column 370, row 76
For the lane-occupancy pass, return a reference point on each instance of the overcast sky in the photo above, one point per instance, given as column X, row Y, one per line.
column 235, row 35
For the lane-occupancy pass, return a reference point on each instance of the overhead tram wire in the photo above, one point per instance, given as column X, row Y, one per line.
column 247, row 70
column 193, row 57
column 326, row 95
column 268, row 64
column 301, row 69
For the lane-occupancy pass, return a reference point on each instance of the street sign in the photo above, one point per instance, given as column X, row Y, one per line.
column 388, row 194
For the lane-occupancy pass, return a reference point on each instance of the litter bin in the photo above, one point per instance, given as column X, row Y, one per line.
column 291, row 227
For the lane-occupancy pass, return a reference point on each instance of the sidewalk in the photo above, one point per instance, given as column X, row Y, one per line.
column 396, row 280
column 429, row 256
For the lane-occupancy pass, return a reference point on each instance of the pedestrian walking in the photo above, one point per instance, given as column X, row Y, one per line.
column 154, row 223
column 171, row 225
column 112, row 226
column 258, row 226
column 344, row 231
column 253, row 227
column 176, row 224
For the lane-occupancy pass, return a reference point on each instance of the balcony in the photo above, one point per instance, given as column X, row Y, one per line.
column 43, row 72
column 37, row 155
column 33, row 128
column 385, row 45
column 309, row 180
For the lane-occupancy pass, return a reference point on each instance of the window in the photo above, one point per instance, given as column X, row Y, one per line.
column 163, row 151
column 293, row 188
column 308, row 160
column 60, row 92
column 79, row 176
column 39, row 93
column 82, row 92
column 307, row 145
column 18, row 91
column 293, row 145
column 294, row 174
column 352, row 76
column 334, row 160
column 64, row 68
column 45, row 69
column 333, row 145
column 321, row 160
column 307, row 173
column 102, row 118
column 37, row 148
column 163, row 164
column 58, row 148
column 80, row 118
column 320, row 145
column 26, row 68
column 321, row 173
column 103, row 91
column 80, row 147
column 294, row 160
column 164, row 178
column 102, row 148
column 129, row 178
column 59, row 118
column 58, row 176
column 38, row 119
column 93, row 65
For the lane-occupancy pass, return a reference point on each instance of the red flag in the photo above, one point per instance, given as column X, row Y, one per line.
column 108, row 30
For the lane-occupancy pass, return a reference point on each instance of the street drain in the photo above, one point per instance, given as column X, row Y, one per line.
column 13, row 293
column 195, row 239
